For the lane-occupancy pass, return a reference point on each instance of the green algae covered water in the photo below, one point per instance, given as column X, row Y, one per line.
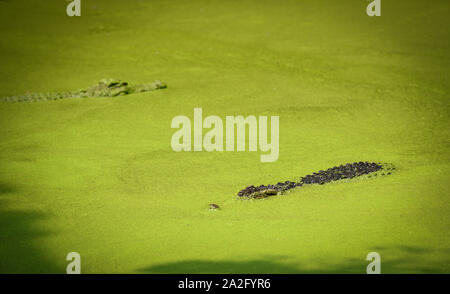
column 99, row 176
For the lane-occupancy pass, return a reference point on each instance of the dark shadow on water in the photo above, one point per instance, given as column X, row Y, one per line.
column 225, row 267
column 6, row 188
column 416, row 261
column 19, row 238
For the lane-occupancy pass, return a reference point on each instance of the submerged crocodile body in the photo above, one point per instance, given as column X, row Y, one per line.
column 104, row 88
column 347, row 171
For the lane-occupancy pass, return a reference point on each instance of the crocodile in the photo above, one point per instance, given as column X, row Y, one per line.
column 104, row 88
column 336, row 173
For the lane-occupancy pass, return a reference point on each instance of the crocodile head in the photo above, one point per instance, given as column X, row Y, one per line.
column 112, row 83
column 109, row 88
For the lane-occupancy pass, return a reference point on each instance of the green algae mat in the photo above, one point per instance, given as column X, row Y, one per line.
column 100, row 176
